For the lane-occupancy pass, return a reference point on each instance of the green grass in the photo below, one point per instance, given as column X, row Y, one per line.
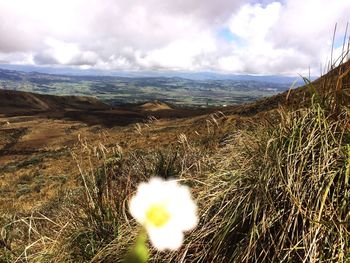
column 291, row 201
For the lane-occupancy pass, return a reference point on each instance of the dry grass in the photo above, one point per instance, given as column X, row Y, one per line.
column 268, row 191
column 293, row 208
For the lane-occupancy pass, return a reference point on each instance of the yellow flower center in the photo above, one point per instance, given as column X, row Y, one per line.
column 157, row 215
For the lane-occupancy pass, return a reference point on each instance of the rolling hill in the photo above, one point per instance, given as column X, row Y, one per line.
column 270, row 177
column 31, row 102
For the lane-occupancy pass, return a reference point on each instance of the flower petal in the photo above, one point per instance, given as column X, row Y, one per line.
column 147, row 194
column 183, row 209
column 165, row 238
column 175, row 200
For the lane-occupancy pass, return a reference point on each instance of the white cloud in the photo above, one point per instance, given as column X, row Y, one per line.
column 285, row 38
column 309, row 30
column 253, row 22
column 180, row 54
column 267, row 38
column 251, row 25
column 17, row 58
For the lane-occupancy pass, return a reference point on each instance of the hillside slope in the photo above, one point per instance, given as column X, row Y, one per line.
column 90, row 110
column 271, row 178
column 325, row 86
column 27, row 101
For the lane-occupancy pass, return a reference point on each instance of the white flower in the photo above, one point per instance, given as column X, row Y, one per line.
column 166, row 210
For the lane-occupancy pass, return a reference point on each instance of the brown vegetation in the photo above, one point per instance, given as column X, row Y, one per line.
column 271, row 178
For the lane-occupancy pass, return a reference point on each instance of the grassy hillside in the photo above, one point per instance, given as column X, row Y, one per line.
column 271, row 180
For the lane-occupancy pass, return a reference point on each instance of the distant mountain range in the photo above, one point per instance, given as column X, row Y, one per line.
column 116, row 88
column 207, row 75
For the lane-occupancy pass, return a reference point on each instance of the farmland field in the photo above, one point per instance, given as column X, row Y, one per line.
column 121, row 90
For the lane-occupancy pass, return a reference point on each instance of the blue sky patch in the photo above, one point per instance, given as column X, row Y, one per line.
column 226, row 34
column 338, row 42
column 264, row 3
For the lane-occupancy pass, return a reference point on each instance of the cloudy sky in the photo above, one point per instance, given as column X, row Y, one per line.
column 231, row 36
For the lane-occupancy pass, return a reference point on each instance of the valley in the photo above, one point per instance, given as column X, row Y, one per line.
column 115, row 90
